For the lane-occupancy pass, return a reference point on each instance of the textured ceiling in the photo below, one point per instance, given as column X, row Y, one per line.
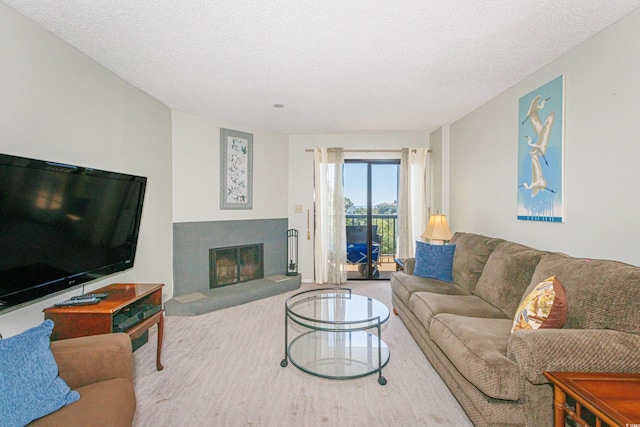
column 336, row 65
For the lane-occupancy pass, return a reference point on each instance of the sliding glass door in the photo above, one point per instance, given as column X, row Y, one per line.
column 371, row 201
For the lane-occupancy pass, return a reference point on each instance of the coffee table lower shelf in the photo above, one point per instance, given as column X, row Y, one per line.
column 338, row 354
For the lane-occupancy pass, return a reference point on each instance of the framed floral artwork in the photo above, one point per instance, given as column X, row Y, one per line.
column 236, row 169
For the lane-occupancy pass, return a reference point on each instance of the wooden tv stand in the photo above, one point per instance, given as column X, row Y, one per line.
column 78, row 321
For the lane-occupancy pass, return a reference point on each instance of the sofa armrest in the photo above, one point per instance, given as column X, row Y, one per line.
column 573, row 350
column 88, row 360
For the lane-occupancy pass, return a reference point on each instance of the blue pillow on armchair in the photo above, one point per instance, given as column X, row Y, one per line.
column 434, row 261
column 29, row 383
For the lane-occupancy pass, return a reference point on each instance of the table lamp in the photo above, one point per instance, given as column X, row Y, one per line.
column 437, row 229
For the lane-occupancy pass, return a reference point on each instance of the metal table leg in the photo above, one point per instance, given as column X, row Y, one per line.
column 285, row 361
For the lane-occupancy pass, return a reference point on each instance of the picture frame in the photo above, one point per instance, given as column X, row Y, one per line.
column 541, row 153
column 236, row 169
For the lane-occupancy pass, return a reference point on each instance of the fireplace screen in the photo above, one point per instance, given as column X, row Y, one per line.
column 235, row 264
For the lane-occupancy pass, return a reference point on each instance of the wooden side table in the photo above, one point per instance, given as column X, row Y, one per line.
column 613, row 398
column 102, row 318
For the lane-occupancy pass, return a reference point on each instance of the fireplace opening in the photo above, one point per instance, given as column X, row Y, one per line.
column 235, row 264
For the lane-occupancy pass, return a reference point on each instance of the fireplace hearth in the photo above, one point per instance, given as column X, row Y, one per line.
column 235, row 264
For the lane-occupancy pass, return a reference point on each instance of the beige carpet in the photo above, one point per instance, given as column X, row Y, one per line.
column 223, row 369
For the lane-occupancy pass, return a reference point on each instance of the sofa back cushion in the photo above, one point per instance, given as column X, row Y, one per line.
column 601, row 294
column 472, row 252
column 507, row 275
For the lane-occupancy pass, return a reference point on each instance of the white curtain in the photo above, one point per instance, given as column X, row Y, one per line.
column 412, row 199
column 330, row 235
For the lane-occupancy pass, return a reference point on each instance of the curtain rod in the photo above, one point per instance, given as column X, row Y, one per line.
column 310, row 150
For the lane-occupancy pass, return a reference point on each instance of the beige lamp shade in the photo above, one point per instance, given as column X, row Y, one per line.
column 437, row 228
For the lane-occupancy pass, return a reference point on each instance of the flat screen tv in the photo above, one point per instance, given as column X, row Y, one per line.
column 63, row 225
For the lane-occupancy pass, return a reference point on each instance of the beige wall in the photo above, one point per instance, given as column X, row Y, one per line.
column 196, row 171
column 602, row 177
column 57, row 104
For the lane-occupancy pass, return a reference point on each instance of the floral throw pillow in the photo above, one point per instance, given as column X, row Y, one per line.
column 544, row 307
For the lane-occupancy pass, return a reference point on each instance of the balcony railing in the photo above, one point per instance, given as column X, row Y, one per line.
column 386, row 229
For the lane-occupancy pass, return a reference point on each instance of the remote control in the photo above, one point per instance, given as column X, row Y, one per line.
column 76, row 302
column 101, row 295
column 81, row 297
column 90, row 296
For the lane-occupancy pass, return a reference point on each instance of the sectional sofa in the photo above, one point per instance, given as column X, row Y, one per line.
column 465, row 327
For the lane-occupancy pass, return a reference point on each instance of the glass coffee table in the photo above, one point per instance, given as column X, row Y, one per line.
column 335, row 343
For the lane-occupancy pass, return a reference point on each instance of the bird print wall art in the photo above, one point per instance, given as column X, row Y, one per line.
column 540, row 153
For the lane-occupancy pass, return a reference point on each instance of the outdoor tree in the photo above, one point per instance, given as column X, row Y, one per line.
column 347, row 204
column 386, row 208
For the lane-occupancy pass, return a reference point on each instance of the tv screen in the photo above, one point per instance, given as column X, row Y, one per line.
column 63, row 225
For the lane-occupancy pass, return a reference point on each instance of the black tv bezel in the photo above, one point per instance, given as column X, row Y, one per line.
column 49, row 289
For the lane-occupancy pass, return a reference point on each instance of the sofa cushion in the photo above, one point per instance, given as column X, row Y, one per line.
column 434, row 261
column 426, row 305
column 543, row 308
column 506, row 276
column 106, row 403
column 472, row 252
column 29, row 383
column 601, row 294
column 404, row 285
column 478, row 347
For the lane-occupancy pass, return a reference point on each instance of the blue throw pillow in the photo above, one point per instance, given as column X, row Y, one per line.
column 29, row 383
column 434, row 261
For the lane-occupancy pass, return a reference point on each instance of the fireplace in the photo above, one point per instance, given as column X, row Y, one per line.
column 235, row 264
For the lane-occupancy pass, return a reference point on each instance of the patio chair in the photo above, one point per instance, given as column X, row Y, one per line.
column 357, row 248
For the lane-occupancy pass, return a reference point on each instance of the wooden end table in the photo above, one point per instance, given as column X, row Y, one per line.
column 83, row 320
column 613, row 398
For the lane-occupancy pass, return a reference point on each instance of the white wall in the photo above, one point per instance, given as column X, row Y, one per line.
column 196, row 171
column 602, row 153
column 301, row 175
column 57, row 104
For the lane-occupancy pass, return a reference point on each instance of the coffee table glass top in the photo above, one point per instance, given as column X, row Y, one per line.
column 336, row 309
